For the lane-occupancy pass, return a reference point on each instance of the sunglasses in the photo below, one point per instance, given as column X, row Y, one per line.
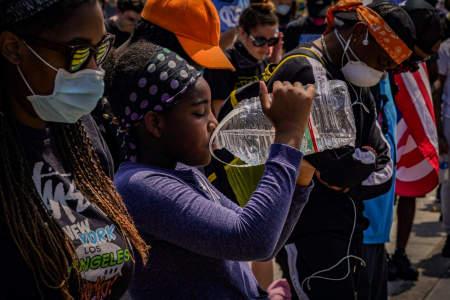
column 78, row 56
column 260, row 41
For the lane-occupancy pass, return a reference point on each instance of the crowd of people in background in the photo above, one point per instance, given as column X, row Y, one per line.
column 108, row 188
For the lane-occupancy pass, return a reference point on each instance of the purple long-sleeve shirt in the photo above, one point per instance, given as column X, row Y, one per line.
column 201, row 241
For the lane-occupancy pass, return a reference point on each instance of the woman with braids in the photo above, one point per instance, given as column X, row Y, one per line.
column 201, row 241
column 65, row 232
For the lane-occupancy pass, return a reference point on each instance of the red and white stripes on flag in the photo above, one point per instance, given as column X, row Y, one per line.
column 417, row 142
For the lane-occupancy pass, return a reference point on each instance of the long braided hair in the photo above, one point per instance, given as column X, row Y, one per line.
column 45, row 248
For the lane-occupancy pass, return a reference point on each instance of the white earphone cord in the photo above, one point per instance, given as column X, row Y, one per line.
column 345, row 47
column 358, row 99
column 347, row 257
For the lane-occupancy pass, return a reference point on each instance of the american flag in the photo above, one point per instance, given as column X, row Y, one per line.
column 417, row 142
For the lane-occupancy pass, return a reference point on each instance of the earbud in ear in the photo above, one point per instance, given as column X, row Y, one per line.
column 365, row 42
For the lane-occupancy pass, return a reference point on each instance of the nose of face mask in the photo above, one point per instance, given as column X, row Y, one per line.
column 360, row 74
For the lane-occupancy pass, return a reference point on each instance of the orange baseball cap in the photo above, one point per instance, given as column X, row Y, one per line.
column 196, row 25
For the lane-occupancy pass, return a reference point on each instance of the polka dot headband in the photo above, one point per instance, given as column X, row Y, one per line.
column 165, row 78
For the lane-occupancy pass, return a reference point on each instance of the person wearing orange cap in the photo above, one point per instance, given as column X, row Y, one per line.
column 359, row 45
column 189, row 28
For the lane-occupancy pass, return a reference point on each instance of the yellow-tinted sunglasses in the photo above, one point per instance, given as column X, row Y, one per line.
column 78, row 56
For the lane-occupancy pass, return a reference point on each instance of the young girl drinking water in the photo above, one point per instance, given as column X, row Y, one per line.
column 200, row 240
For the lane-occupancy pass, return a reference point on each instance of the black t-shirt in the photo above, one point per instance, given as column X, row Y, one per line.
column 121, row 36
column 102, row 252
column 301, row 30
column 248, row 69
column 222, row 83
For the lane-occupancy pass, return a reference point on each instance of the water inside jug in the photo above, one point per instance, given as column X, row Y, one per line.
column 248, row 134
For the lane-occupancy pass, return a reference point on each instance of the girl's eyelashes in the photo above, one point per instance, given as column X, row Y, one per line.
column 201, row 111
column 199, row 114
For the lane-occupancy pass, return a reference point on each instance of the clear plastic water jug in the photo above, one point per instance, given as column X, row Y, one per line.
column 248, row 134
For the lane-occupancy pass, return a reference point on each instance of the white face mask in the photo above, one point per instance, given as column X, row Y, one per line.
column 357, row 72
column 74, row 94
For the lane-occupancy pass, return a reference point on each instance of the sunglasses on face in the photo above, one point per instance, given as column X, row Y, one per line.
column 260, row 41
column 79, row 55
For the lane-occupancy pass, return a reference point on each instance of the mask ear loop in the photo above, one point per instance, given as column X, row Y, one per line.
column 344, row 46
column 359, row 99
column 39, row 57
column 25, row 80
column 347, row 47
column 351, row 50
